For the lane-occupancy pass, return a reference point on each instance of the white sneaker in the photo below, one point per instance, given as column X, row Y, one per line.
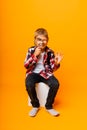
column 33, row 112
column 53, row 112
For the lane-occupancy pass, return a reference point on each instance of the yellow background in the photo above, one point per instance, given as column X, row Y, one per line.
column 66, row 23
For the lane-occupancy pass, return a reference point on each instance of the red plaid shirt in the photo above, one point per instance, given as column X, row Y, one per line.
column 48, row 61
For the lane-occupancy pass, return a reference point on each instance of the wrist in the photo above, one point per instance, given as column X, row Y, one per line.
column 35, row 55
column 57, row 63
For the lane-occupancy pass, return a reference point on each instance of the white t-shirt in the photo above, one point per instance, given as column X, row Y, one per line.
column 39, row 66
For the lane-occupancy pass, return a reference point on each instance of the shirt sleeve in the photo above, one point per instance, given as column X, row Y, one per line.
column 53, row 66
column 30, row 59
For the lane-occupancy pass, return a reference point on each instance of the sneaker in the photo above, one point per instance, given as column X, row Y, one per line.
column 33, row 112
column 53, row 112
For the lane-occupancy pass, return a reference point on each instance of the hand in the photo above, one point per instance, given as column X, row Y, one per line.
column 58, row 58
column 37, row 51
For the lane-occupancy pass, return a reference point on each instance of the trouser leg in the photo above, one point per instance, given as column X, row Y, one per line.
column 53, row 84
column 30, row 82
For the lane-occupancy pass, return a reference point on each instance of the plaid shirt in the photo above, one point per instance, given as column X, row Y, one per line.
column 48, row 62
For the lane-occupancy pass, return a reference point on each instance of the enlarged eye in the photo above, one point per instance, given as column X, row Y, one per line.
column 42, row 40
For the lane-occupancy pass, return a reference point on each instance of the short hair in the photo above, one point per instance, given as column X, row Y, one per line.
column 41, row 31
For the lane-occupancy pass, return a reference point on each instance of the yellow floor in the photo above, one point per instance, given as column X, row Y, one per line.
column 70, row 101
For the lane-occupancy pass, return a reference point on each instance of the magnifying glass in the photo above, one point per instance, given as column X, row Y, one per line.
column 41, row 44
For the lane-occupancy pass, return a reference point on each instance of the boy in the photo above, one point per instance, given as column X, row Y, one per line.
column 40, row 63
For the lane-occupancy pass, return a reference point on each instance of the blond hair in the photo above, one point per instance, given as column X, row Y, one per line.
column 41, row 31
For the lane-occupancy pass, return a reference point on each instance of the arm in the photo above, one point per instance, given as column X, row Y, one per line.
column 55, row 60
column 30, row 59
column 53, row 64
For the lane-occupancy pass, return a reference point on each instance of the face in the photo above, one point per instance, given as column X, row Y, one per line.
column 41, row 41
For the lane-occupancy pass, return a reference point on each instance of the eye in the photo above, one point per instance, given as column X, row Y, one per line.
column 39, row 39
column 43, row 40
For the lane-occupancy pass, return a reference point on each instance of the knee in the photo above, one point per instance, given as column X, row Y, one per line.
column 56, row 84
column 28, row 84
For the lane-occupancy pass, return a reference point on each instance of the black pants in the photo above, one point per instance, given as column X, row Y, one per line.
column 53, row 84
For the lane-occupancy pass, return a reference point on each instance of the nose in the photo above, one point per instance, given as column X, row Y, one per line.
column 41, row 42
